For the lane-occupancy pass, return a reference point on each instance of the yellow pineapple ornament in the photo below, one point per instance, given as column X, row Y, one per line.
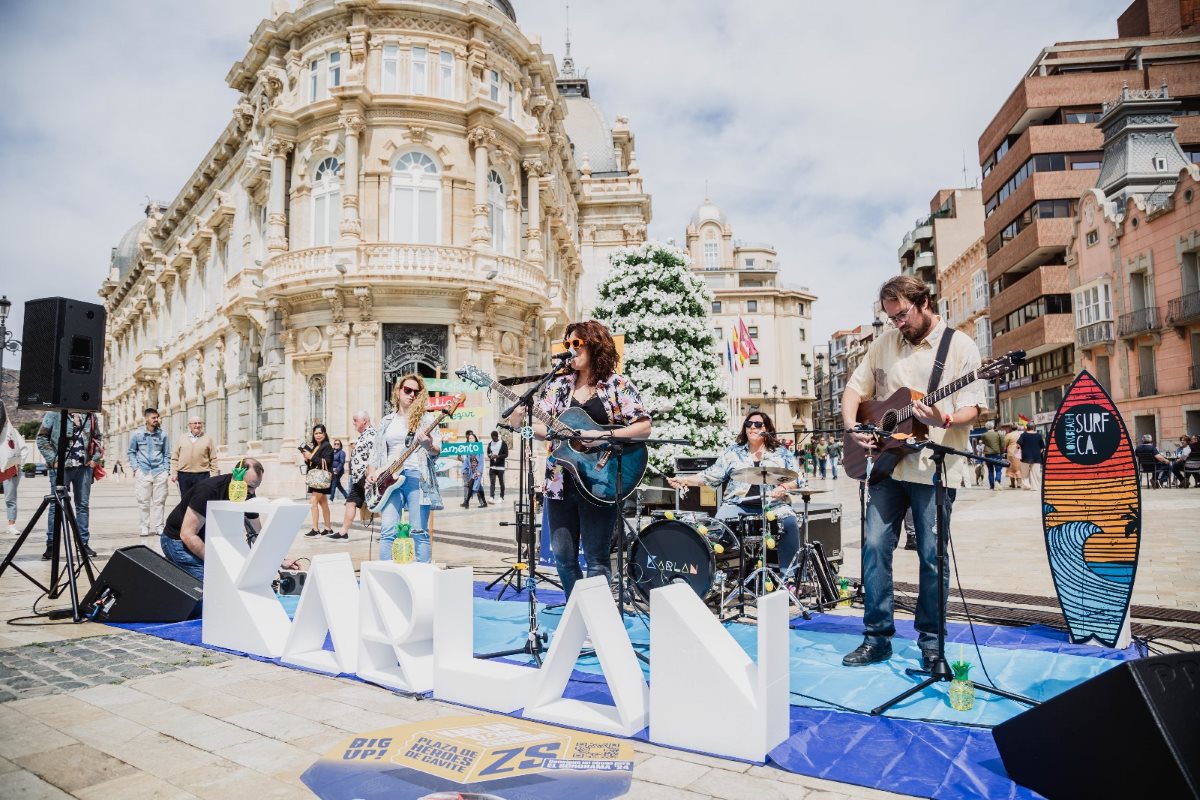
column 238, row 490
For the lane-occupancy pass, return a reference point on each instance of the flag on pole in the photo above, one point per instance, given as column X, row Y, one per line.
column 749, row 348
column 735, row 352
column 1023, row 420
column 729, row 356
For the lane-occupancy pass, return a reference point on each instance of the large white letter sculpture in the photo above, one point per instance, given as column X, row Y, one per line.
column 396, row 625
column 328, row 604
column 241, row 612
column 591, row 611
column 458, row 676
column 692, row 652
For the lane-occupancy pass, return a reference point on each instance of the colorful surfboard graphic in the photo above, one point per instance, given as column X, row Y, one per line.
column 1091, row 503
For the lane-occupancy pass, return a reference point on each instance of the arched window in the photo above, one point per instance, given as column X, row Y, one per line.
column 327, row 203
column 316, row 401
column 416, row 196
column 495, row 196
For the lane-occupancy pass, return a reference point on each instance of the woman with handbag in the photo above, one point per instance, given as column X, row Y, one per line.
column 318, row 456
column 472, row 472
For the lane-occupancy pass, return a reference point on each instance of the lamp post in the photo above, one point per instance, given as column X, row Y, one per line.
column 7, row 343
column 775, row 396
column 819, row 385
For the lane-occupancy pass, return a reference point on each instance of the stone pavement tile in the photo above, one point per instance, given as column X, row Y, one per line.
column 308, row 682
column 641, row 790
column 58, row 710
column 270, row 757
column 151, row 712
column 110, row 728
column 74, row 767
column 157, row 754
column 110, row 695
column 170, row 687
column 360, row 695
column 134, row 787
column 22, row 785
column 282, row 725
column 261, row 691
column 205, row 732
column 243, row 782
column 323, row 742
column 362, row 721
column 23, row 736
column 695, row 758
column 7, row 766
column 817, row 785
column 669, row 771
column 215, row 675
column 736, row 786
column 216, row 704
column 314, row 706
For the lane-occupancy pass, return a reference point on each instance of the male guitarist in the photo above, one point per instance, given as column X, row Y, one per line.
column 907, row 356
column 593, row 384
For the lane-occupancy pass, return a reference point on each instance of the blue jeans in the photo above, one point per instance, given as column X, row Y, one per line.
column 79, row 482
column 407, row 495
column 336, row 486
column 178, row 554
column 890, row 499
column 788, row 542
column 574, row 520
column 994, row 471
column 821, row 465
column 833, row 466
column 10, row 496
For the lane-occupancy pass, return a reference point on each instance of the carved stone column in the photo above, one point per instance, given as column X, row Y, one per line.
column 533, row 252
column 481, row 235
column 276, row 218
column 351, row 225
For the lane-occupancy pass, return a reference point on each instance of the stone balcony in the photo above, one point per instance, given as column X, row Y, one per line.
column 1184, row 310
column 1097, row 334
column 1038, row 336
column 1135, row 323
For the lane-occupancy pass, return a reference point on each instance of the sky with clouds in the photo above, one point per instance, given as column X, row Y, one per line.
column 823, row 128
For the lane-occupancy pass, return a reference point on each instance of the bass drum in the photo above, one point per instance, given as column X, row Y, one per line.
column 671, row 550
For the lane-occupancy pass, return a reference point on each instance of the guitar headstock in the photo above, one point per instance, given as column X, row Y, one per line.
column 998, row 367
column 454, row 405
column 475, row 375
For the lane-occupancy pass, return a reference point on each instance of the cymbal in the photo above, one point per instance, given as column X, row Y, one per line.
column 808, row 491
column 663, row 489
column 764, row 475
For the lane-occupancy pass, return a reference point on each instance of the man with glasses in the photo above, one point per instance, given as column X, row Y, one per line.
column 194, row 458
column 905, row 356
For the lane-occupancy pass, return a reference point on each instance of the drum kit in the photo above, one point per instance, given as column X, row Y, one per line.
column 728, row 562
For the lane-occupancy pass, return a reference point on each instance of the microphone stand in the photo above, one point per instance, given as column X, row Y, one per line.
column 940, row 671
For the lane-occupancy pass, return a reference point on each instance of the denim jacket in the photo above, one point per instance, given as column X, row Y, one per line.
column 429, row 485
column 149, row 452
column 47, row 438
column 738, row 457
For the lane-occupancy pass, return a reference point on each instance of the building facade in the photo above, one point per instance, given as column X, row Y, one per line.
column 954, row 223
column 744, row 278
column 963, row 303
column 836, row 362
column 1039, row 154
column 403, row 186
column 1134, row 269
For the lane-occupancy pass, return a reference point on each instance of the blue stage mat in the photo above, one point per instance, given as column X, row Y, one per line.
column 922, row 748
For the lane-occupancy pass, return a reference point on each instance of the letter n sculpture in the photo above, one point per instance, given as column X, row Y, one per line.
column 1092, row 514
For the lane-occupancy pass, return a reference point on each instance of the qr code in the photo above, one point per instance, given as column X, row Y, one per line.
column 596, row 750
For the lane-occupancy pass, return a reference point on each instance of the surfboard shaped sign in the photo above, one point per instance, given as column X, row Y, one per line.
column 1092, row 514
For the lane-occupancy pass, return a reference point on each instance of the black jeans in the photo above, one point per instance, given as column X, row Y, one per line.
column 573, row 520
column 493, row 476
column 189, row 479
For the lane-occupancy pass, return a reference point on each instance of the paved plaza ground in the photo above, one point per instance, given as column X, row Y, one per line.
column 96, row 712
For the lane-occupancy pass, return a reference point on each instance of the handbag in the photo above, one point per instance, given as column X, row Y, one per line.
column 319, row 479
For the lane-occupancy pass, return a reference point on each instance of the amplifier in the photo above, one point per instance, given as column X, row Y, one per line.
column 824, row 526
column 694, row 463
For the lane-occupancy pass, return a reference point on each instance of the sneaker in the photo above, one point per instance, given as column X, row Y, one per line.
column 339, row 536
column 327, row 532
column 49, row 554
column 91, row 553
column 928, row 658
column 13, row 531
column 313, row 532
column 867, row 653
column 144, row 533
column 910, row 543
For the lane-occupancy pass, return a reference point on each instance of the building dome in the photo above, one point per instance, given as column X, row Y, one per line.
column 708, row 212
column 125, row 254
column 589, row 133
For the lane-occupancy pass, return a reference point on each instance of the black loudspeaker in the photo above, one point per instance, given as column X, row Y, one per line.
column 1133, row 731
column 139, row 585
column 62, row 358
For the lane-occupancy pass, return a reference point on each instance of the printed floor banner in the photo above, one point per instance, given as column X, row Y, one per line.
column 482, row 755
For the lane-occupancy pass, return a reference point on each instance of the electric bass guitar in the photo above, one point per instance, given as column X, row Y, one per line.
column 388, row 479
column 593, row 471
column 896, row 424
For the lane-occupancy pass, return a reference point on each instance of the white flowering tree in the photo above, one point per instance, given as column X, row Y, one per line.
column 661, row 306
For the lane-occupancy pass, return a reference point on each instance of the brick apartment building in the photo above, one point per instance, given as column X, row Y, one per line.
column 1040, row 153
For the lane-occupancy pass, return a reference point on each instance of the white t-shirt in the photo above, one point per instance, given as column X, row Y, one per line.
column 395, row 437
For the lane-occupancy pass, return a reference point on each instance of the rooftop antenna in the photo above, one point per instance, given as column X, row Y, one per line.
column 964, row 156
column 568, row 63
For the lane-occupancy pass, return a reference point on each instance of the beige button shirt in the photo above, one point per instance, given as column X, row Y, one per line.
column 892, row 363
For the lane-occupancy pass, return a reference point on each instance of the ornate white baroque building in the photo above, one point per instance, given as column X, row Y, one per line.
column 402, row 186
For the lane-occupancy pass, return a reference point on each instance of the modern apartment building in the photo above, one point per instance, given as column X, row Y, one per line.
column 954, row 223
column 963, row 303
column 1040, row 153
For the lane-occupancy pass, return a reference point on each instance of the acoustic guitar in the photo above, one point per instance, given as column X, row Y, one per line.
column 896, row 424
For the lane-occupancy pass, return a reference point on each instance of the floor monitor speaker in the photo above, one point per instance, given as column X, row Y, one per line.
column 139, row 585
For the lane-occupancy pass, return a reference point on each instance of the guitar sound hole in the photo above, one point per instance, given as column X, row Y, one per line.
column 888, row 423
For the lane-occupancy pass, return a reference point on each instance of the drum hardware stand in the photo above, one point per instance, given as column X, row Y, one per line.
column 535, row 640
column 754, row 583
column 810, row 559
column 940, row 671
column 65, row 538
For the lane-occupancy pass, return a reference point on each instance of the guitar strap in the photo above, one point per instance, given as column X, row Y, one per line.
column 939, row 361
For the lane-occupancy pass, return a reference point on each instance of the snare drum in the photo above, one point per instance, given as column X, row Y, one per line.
column 675, row 549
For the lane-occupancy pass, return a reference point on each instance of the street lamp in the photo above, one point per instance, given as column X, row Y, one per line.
column 878, row 326
column 775, row 396
column 819, row 385
column 7, row 343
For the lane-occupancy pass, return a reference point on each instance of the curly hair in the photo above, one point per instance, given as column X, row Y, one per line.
column 419, row 404
column 768, row 430
column 602, row 350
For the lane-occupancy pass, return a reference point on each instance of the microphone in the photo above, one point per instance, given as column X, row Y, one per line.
column 565, row 355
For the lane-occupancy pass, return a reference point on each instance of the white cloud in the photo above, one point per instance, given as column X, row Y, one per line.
column 822, row 128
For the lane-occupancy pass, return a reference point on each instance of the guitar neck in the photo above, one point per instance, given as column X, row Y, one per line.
column 550, row 422
column 939, row 394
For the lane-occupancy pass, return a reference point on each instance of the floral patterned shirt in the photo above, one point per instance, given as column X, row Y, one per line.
column 620, row 399
column 738, row 457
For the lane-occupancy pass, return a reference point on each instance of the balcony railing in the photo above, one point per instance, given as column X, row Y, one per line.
column 1140, row 321
column 1094, row 334
column 924, row 260
column 1183, row 310
column 1194, row 377
column 1147, row 386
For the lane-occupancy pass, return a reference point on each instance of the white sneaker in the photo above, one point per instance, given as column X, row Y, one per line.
column 144, row 533
column 12, row 529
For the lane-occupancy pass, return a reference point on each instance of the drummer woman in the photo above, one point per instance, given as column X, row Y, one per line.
column 756, row 446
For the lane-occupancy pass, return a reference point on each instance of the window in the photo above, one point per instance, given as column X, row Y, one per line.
column 419, row 81
column 800, row 308
column 494, row 86
column 262, row 232
column 390, row 79
column 510, row 96
column 335, row 69
column 416, row 191
column 803, row 335
column 316, row 400
column 1043, row 209
column 1091, row 238
column 1093, row 304
column 754, row 358
column 446, row 74
column 755, row 386
column 716, row 307
column 751, row 306
column 719, row 333
column 979, row 290
column 749, row 263
column 327, row 203
column 711, row 255
column 983, row 336
column 316, row 87
column 495, row 195
column 1160, row 163
column 753, row 331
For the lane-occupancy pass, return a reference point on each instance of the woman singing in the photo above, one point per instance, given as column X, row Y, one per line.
column 592, row 384
column 419, row 493
column 319, row 455
column 756, row 446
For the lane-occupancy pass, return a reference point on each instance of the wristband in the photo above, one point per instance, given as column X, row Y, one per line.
column 947, row 420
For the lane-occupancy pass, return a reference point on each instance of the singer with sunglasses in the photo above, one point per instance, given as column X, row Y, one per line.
column 756, row 446
column 592, row 383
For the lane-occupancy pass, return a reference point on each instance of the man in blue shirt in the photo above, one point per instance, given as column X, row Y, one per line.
column 150, row 460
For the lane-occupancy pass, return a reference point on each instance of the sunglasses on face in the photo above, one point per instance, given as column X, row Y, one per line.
column 410, row 390
column 756, row 424
column 573, row 343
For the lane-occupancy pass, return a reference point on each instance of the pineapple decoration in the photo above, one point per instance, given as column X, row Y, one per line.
column 962, row 690
column 238, row 490
column 403, row 547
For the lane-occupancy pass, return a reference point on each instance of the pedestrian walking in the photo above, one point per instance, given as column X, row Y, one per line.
column 339, row 470
column 360, row 457
column 318, row 455
column 1032, row 447
column 977, row 449
column 472, row 473
column 1012, row 451
column 833, row 449
column 118, row 471
column 497, row 453
column 993, row 445
column 84, row 453
column 194, row 458
column 821, row 452
column 13, row 453
column 149, row 458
